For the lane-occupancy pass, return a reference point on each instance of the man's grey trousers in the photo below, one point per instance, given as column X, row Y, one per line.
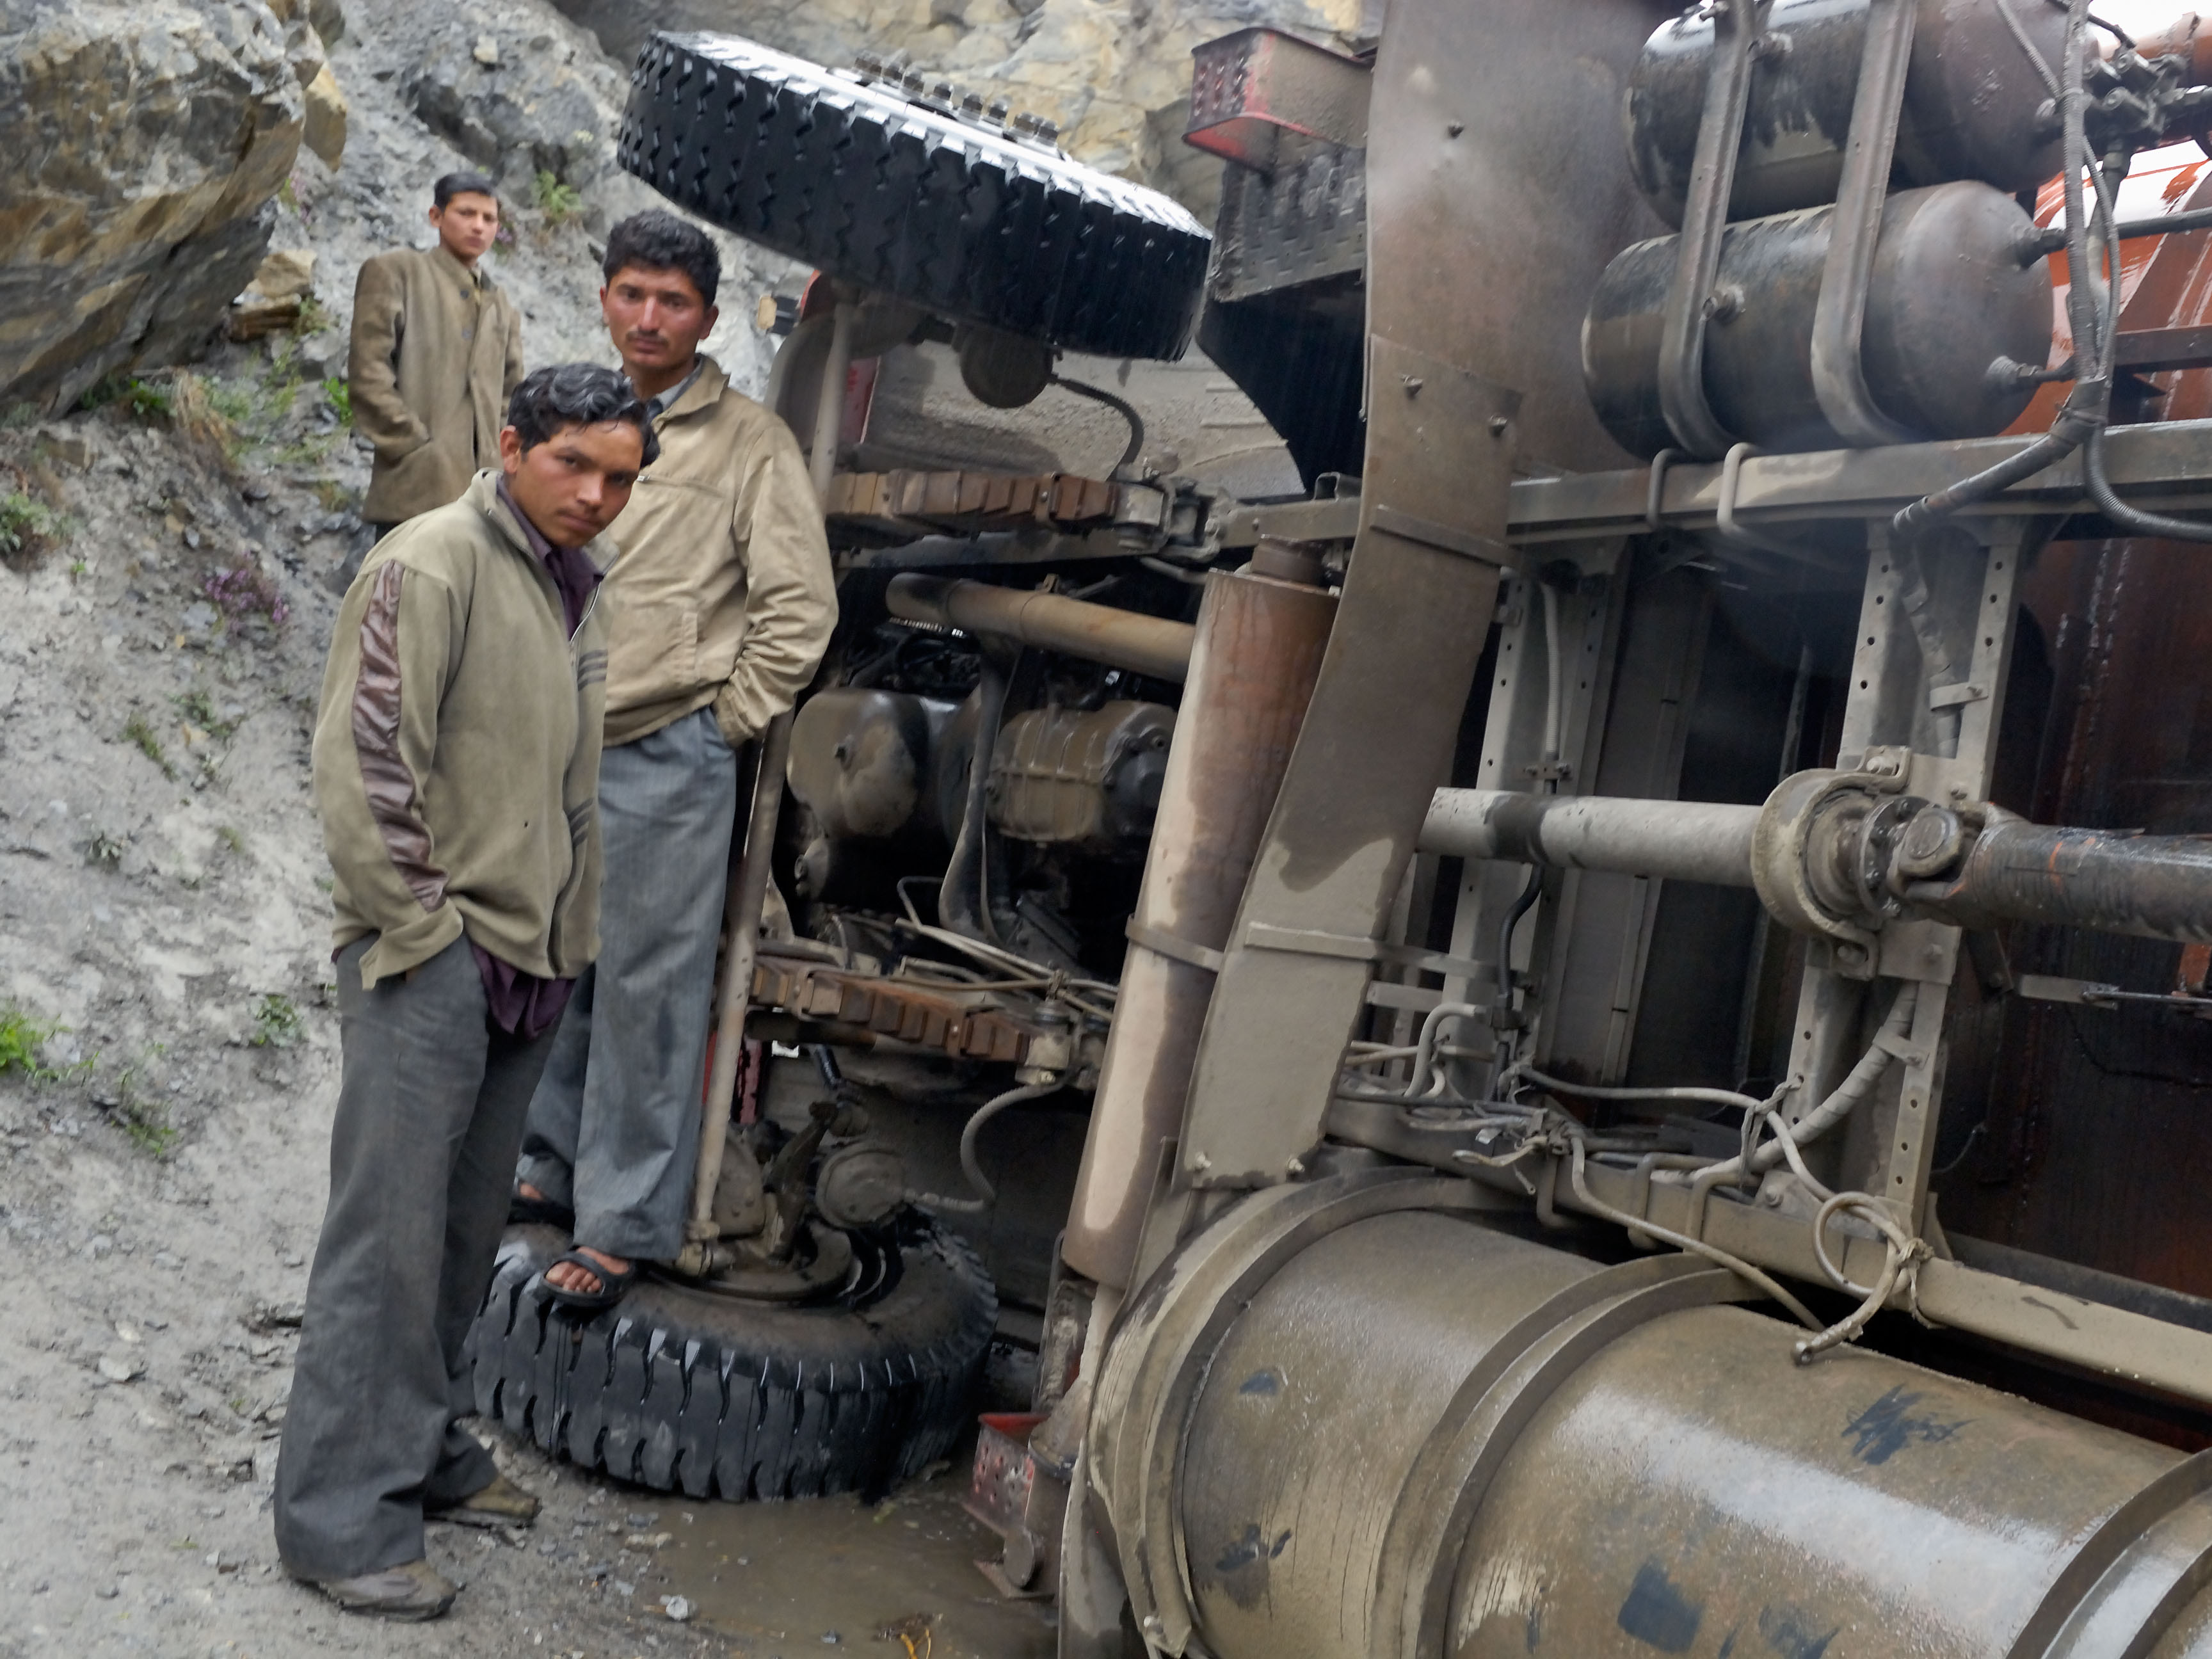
column 614, row 1130
column 430, row 1112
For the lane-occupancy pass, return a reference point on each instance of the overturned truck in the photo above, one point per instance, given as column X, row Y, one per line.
column 1574, row 1016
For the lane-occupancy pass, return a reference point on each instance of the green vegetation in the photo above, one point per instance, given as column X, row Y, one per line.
column 24, row 521
column 136, row 731
column 148, row 1126
column 559, row 203
column 307, row 450
column 197, row 707
column 334, row 495
column 276, row 1023
column 315, row 316
column 20, row 1037
column 146, row 400
column 234, row 402
column 103, row 851
column 230, row 837
column 339, row 391
column 17, row 415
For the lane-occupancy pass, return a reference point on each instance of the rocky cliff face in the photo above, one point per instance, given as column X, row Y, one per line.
column 145, row 140
column 1115, row 73
column 150, row 140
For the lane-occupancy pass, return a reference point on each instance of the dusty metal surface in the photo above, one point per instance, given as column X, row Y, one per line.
column 1084, row 777
column 2081, row 1128
column 1254, row 90
column 1688, row 840
column 1408, row 1433
column 1947, row 294
column 906, row 505
column 1465, row 137
column 1446, row 419
column 1970, row 103
column 968, row 1028
column 1260, row 645
column 1096, row 633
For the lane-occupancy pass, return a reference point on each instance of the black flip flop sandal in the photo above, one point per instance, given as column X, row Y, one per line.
column 540, row 1211
column 613, row 1285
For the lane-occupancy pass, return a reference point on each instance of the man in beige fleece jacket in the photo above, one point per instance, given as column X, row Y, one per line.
column 437, row 350
column 456, row 768
column 724, row 603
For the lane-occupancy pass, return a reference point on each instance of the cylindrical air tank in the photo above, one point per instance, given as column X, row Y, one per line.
column 1958, row 284
column 1974, row 104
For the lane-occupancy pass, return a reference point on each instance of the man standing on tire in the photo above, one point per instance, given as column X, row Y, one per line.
column 437, row 350
column 725, row 603
column 456, row 762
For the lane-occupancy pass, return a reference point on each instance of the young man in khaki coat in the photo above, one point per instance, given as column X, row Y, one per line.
column 457, row 761
column 725, row 603
column 437, row 350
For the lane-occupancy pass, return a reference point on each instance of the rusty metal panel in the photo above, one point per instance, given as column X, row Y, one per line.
column 1252, row 90
column 2097, row 1126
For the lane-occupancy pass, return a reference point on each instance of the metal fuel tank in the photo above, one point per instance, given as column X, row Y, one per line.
column 1973, row 102
column 1360, row 1415
column 1957, row 283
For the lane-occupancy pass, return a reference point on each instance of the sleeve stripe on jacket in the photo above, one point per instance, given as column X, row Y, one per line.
column 384, row 771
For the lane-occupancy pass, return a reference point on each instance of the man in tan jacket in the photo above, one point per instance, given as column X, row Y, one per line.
column 437, row 350
column 456, row 762
column 725, row 602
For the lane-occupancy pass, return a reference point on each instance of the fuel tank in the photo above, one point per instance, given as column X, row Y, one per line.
column 1954, row 288
column 1973, row 102
column 1362, row 1416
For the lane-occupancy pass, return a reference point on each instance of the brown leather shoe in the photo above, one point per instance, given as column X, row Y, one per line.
column 410, row 1594
column 502, row 1504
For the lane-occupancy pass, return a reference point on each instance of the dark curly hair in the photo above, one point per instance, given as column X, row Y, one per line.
column 657, row 239
column 551, row 400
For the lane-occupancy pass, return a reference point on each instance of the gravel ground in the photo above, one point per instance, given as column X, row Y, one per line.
column 164, row 904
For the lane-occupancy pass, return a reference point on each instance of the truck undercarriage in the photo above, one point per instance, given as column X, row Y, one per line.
column 1572, row 1011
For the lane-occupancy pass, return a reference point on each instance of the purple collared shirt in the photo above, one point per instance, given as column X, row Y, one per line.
column 522, row 1003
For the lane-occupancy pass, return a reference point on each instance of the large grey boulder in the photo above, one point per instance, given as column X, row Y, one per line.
column 144, row 141
column 519, row 91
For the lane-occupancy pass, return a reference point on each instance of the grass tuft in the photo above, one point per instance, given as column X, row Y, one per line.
column 559, row 203
column 21, row 1037
column 136, row 731
column 25, row 522
column 276, row 1023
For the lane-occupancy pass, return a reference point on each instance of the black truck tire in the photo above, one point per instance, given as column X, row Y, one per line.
column 679, row 1388
column 972, row 222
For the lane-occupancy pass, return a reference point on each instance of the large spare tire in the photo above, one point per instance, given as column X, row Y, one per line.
column 971, row 221
column 677, row 1388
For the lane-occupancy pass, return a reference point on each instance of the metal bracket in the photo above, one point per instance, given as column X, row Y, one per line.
column 1309, row 942
column 1736, row 30
column 2050, row 987
column 1951, row 696
column 1407, row 526
column 1306, row 942
column 1725, row 518
column 1161, row 943
column 1839, row 315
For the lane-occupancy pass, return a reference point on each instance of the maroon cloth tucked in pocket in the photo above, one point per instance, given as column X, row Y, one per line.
column 520, row 1003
